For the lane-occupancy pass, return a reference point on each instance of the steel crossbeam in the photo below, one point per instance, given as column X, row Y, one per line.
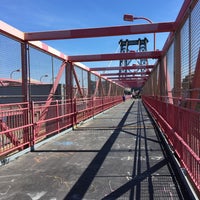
column 101, row 32
column 122, row 67
column 116, row 56
column 131, row 74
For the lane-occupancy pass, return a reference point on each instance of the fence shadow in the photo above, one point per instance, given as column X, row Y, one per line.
column 83, row 183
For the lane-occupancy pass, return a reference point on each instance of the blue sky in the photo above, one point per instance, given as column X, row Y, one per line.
column 43, row 15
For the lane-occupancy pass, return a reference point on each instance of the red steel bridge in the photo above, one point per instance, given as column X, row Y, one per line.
column 32, row 110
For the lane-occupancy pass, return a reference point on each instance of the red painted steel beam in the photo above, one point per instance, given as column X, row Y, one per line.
column 131, row 84
column 77, row 81
column 130, row 81
column 109, row 90
column 133, row 78
column 9, row 30
column 51, row 94
column 116, row 56
column 96, row 87
column 124, row 73
column 100, row 32
column 123, row 68
column 129, row 78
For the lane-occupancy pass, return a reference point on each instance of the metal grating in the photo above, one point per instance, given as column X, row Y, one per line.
column 10, row 70
column 163, row 188
column 10, row 57
column 170, row 65
column 43, row 70
column 190, row 44
column 41, row 64
column 195, row 39
column 185, row 56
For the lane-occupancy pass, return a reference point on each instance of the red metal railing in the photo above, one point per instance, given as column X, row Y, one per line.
column 181, row 127
column 15, row 127
column 22, row 124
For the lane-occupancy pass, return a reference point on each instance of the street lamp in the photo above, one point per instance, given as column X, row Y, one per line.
column 46, row 75
column 131, row 18
column 17, row 70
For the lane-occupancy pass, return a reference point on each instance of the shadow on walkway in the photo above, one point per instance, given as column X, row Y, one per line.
column 83, row 183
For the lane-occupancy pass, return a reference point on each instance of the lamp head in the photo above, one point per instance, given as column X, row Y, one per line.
column 128, row 17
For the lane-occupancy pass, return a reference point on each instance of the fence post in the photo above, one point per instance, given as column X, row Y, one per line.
column 33, row 133
column 74, row 123
column 93, row 105
column 102, row 103
column 57, row 115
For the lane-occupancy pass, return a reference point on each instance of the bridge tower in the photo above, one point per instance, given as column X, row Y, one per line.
column 124, row 48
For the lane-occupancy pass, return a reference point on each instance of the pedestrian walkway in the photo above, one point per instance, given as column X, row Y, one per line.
column 117, row 155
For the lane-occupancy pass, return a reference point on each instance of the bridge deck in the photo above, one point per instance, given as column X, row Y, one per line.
column 118, row 155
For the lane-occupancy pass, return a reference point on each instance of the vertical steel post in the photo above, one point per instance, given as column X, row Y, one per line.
column 26, row 89
column 57, row 115
column 69, row 88
column 89, row 84
column 69, row 81
column 93, row 106
column 33, row 130
column 74, row 113
column 25, row 71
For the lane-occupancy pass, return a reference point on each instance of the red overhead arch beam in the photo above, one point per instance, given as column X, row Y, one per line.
column 131, row 83
column 130, row 74
column 101, row 32
column 116, row 56
column 122, row 67
column 133, row 78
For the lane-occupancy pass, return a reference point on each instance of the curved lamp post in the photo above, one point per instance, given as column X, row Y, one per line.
column 131, row 18
column 46, row 75
column 17, row 70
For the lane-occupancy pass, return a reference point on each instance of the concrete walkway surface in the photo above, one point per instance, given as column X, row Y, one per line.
column 117, row 155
